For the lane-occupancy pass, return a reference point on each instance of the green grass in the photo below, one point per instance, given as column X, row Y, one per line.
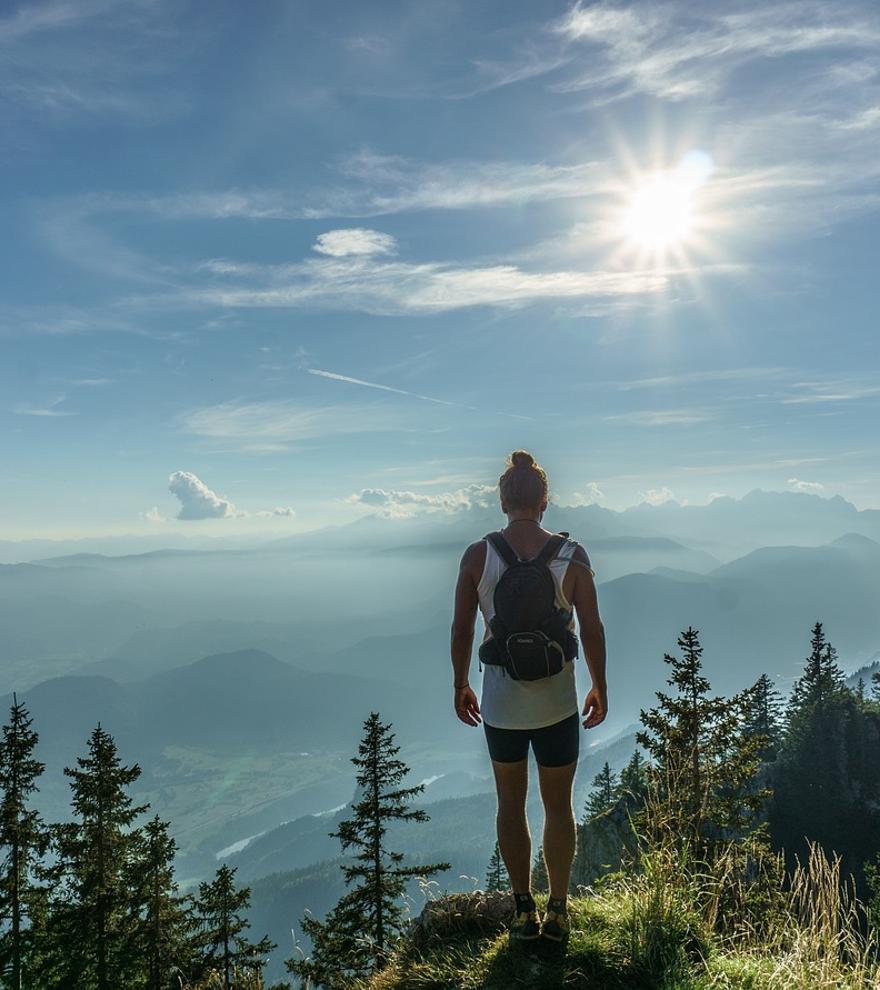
column 657, row 930
column 604, row 951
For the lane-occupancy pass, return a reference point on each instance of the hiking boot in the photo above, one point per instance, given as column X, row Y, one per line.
column 556, row 925
column 525, row 927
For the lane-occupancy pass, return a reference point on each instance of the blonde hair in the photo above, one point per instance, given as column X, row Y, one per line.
column 524, row 482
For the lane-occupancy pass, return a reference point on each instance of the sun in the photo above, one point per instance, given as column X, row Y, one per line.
column 661, row 212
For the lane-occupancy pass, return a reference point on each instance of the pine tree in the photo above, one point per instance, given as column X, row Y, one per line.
column 540, row 880
column 705, row 760
column 633, row 785
column 826, row 781
column 875, row 686
column 604, row 792
column 496, row 874
column 24, row 840
column 220, row 908
column 165, row 934
column 765, row 717
column 95, row 914
column 821, row 682
column 356, row 936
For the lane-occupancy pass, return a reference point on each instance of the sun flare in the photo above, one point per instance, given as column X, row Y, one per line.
column 661, row 213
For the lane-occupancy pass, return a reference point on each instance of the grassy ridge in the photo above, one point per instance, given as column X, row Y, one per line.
column 658, row 930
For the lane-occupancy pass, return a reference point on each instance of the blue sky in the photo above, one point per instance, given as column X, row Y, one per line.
column 271, row 266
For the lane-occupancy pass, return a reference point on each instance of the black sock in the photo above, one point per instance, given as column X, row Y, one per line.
column 524, row 902
column 557, row 904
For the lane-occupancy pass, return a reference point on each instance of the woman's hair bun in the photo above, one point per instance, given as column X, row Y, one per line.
column 522, row 458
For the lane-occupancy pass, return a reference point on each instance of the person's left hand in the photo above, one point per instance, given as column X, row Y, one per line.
column 466, row 706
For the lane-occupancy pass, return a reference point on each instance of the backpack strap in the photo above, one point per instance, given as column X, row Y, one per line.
column 551, row 548
column 505, row 550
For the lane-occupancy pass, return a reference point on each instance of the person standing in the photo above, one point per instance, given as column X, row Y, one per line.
column 529, row 697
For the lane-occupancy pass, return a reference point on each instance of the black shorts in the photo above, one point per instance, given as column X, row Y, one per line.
column 554, row 745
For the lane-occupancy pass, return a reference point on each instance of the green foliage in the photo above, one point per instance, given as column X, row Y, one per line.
column 705, row 757
column 95, row 907
column 872, row 876
column 604, row 792
column 764, row 717
column 23, row 840
column 224, row 948
column 164, row 936
column 496, row 872
column 357, row 935
column 826, row 779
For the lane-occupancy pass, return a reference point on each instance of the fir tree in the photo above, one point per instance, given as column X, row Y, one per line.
column 540, row 880
column 821, row 682
column 826, row 780
column 496, row 874
column 705, row 759
column 356, row 936
column 764, row 717
column 220, row 908
column 24, row 840
column 95, row 914
column 166, row 929
column 604, row 792
column 875, row 686
column 633, row 785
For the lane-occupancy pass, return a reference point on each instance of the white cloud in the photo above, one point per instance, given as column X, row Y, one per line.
column 153, row 515
column 657, row 496
column 197, row 501
column 401, row 503
column 806, row 486
column 356, row 240
column 591, row 496
column 389, row 288
column 279, row 510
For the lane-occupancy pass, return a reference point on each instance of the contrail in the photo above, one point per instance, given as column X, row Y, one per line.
column 400, row 391
column 383, row 388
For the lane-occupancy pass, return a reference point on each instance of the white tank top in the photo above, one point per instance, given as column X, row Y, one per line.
column 509, row 704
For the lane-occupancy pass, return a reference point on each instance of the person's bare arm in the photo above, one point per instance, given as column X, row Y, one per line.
column 592, row 632
column 462, row 644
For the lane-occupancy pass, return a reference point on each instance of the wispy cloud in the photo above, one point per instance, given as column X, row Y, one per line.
column 708, row 375
column 48, row 58
column 662, row 417
column 273, row 426
column 677, row 51
column 832, row 390
column 386, row 288
column 49, row 408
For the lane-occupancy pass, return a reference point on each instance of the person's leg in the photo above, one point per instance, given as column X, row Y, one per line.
column 559, row 825
column 514, row 840
column 556, row 751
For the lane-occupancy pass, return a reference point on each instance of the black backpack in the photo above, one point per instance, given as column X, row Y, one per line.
column 530, row 638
